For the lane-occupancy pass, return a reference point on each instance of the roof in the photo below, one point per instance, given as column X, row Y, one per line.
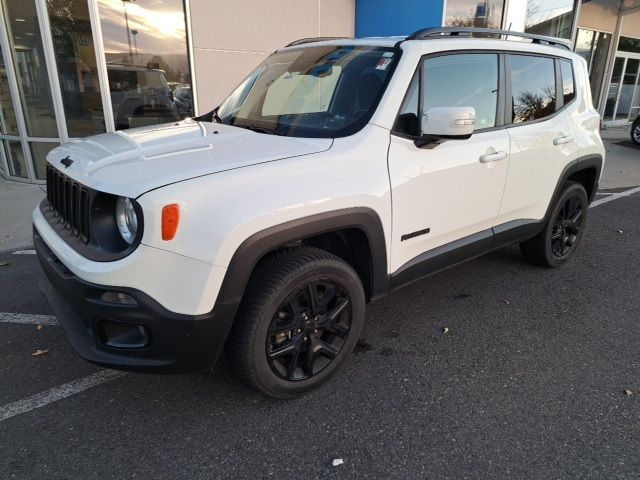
column 440, row 33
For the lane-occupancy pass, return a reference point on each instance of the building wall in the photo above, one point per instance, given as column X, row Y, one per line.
column 375, row 18
column 631, row 24
column 599, row 15
column 226, row 51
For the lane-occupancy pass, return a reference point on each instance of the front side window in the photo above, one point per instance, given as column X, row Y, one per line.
column 327, row 92
column 533, row 87
column 465, row 80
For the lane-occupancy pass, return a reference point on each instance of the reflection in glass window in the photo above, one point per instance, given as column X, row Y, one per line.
column 628, row 44
column 8, row 124
column 474, row 13
column 553, row 18
column 568, row 89
column 533, row 86
column 295, row 93
column 594, row 48
column 30, row 66
column 614, row 88
column 146, row 53
column 15, row 159
column 446, row 84
column 76, row 59
column 39, row 152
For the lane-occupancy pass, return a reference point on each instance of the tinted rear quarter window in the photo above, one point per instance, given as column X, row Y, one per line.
column 568, row 88
column 533, row 87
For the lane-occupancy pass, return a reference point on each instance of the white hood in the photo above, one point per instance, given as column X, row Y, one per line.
column 132, row 162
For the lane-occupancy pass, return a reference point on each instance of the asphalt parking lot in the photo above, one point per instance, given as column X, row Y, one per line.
column 529, row 382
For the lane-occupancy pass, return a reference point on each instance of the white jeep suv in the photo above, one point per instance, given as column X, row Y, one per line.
column 337, row 172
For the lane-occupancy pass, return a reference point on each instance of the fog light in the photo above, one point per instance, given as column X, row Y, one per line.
column 124, row 335
column 118, row 297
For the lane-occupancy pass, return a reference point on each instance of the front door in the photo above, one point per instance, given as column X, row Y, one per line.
column 452, row 191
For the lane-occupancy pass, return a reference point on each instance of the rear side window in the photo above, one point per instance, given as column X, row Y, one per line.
column 568, row 88
column 533, row 88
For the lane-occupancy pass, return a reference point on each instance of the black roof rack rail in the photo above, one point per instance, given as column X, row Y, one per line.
column 302, row 41
column 436, row 32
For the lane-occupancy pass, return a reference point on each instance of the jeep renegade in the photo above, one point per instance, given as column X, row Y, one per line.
column 338, row 171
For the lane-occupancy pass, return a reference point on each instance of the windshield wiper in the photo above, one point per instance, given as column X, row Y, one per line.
column 255, row 128
column 211, row 116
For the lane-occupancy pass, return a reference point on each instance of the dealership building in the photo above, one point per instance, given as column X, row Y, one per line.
column 74, row 68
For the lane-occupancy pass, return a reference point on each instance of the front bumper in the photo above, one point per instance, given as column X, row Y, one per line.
column 174, row 343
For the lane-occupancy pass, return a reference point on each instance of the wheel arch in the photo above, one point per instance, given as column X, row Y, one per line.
column 585, row 170
column 364, row 222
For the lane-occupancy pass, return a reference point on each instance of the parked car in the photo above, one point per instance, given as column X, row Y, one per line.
column 184, row 102
column 635, row 131
column 337, row 172
column 140, row 96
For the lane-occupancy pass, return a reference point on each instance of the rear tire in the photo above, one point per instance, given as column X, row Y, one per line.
column 635, row 131
column 557, row 242
column 298, row 322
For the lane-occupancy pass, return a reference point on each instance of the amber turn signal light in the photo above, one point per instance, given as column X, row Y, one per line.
column 170, row 221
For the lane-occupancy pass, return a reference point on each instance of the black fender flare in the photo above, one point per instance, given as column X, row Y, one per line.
column 582, row 163
column 254, row 248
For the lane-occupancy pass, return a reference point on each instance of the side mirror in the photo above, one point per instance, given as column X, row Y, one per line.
column 446, row 123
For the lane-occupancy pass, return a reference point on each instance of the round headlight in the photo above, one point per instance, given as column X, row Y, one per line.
column 126, row 219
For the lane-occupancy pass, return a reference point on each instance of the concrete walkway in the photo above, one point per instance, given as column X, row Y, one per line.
column 17, row 200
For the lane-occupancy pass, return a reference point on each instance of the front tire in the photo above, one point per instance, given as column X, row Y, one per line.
column 557, row 242
column 300, row 319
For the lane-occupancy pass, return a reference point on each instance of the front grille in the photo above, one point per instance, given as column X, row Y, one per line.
column 69, row 203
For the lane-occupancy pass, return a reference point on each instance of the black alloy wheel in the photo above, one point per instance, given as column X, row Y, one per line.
column 308, row 330
column 299, row 320
column 566, row 227
column 562, row 232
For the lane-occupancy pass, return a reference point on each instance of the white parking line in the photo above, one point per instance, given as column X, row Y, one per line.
column 24, row 252
column 27, row 318
column 615, row 196
column 57, row 393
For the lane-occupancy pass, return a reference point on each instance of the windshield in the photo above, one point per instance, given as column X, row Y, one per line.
column 329, row 91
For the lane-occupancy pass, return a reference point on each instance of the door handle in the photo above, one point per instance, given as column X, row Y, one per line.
column 493, row 157
column 563, row 140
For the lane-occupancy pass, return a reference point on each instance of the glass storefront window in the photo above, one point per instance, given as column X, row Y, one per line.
column 39, row 152
column 628, row 44
column 553, row 18
column 31, row 70
column 8, row 123
column 147, row 61
column 614, row 88
column 474, row 13
column 76, row 59
column 627, row 89
column 15, row 159
column 594, row 47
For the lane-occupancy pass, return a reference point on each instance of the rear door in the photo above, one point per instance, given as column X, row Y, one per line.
column 540, row 97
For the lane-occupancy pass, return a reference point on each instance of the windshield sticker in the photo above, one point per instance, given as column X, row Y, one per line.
column 383, row 63
column 388, row 54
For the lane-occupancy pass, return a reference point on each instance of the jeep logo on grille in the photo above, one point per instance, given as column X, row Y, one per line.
column 66, row 161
